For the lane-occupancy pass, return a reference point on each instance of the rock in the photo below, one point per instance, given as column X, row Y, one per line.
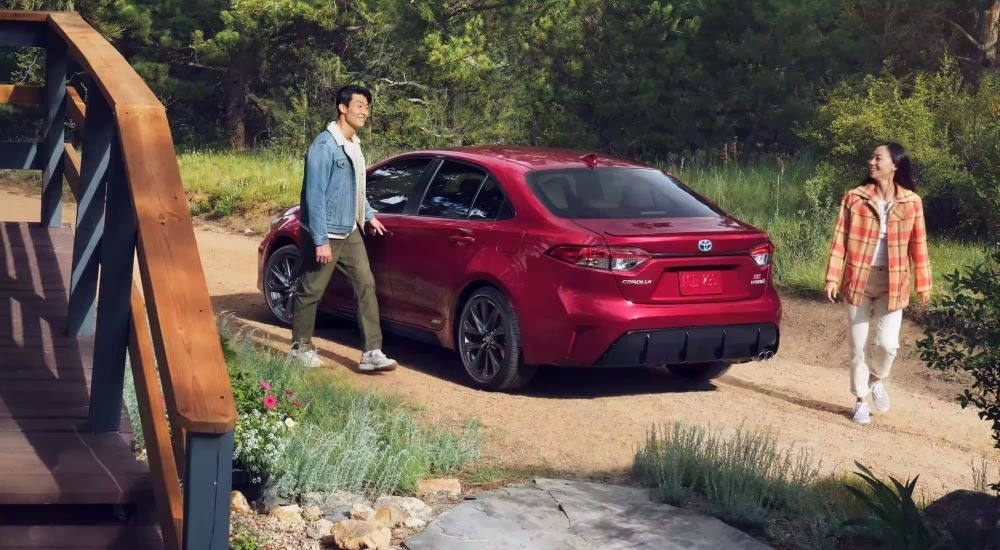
column 312, row 513
column 319, row 529
column 248, row 231
column 416, row 507
column 972, row 518
column 271, row 502
column 390, row 516
column 238, row 503
column 414, row 523
column 337, row 513
column 352, row 534
column 289, row 517
column 450, row 487
column 361, row 512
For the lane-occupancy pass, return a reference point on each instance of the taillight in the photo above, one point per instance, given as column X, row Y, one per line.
column 761, row 254
column 601, row 257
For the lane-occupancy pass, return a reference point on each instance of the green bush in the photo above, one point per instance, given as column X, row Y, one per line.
column 951, row 129
column 893, row 514
column 746, row 479
column 962, row 334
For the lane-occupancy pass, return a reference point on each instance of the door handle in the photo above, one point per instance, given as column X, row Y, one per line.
column 462, row 239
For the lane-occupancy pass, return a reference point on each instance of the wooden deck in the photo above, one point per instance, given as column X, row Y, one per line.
column 48, row 459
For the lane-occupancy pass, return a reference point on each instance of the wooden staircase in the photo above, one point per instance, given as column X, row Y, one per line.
column 54, row 473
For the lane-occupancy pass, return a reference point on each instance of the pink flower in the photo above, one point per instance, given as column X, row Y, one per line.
column 265, row 385
column 289, row 393
column 297, row 404
column 270, row 401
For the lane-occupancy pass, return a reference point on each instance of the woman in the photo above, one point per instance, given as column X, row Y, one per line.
column 880, row 231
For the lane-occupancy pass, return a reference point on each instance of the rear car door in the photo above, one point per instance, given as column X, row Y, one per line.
column 435, row 247
column 389, row 188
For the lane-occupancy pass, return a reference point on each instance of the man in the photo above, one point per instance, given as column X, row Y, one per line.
column 334, row 210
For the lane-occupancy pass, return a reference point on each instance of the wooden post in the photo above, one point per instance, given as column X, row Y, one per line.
column 206, row 490
column 55, row 129
column 96, row 156
column 112, row 332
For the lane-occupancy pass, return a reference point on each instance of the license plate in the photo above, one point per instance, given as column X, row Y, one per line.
column 694, row 283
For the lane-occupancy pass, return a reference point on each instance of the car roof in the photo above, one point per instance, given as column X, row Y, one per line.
column 529, row 158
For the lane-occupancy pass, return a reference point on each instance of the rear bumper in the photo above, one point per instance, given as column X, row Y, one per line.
column 692, row 345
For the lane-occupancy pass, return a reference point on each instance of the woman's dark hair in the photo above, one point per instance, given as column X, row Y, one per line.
column 904, row 171
column 345, row 94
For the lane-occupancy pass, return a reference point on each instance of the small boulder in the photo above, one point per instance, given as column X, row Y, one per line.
column 414, row 523
column 352, row 534
column 238, row 503
column 390, row 516
column 414, row 506
column 288, row 518
column 361, row 512
column 312, row 513
column 449, row 487
column 319, row 529
column 972, row 518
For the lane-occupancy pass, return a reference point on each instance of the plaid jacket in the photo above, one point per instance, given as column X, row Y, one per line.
column 856, row 235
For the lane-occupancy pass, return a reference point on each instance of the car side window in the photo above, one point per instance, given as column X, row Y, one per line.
column 389, row 186
column 491, row 203
column 451, row 193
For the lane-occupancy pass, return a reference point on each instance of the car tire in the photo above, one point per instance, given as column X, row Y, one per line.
column 281, row 275
column 488, row 339
column 700, row 371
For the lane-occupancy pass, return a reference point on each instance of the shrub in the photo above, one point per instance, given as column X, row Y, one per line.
column 747, row 480
column 962, row 334
column 951, row 129
column 893, row 514
column 267, row 417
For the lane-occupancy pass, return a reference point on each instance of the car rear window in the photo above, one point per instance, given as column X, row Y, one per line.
column 617, row 193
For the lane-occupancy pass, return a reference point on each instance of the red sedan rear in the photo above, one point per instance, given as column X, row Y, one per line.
column 521, row 257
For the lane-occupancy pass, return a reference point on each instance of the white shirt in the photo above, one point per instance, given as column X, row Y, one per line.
column 881, row 257
column 353, row 149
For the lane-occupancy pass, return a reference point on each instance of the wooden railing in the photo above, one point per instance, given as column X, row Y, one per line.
column 131, row 205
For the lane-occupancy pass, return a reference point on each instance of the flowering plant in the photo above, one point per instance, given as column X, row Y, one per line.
column 266, row 417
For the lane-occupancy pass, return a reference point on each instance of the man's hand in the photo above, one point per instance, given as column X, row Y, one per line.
column 323, row 254
column 924, row 297
column 831, row 292
column 377, row 227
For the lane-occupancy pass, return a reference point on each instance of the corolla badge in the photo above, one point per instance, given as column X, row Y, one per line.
column 704, row 245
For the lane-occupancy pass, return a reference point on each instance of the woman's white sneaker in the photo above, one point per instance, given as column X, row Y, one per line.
column 880, row 397
column 861, row 413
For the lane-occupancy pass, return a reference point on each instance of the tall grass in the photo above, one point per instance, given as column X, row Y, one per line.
column 348, row 439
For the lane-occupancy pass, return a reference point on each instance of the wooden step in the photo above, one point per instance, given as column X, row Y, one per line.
column 86, row 537
column 70, row 468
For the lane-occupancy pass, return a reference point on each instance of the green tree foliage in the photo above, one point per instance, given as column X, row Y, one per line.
column 951, row 128
column 963, row 335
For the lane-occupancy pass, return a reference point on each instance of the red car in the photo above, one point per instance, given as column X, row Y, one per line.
column 521, row 257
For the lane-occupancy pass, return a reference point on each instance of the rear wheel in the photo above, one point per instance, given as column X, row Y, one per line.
column 281, row 276
column 700, row 371
column 489, row 342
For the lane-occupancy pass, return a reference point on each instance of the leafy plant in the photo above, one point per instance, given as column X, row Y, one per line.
column 962, row 335
column 894, row 515
column 266, row 418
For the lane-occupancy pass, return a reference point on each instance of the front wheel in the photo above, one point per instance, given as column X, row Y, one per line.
column 700, row 371
column 281, row 276
column 489, row 342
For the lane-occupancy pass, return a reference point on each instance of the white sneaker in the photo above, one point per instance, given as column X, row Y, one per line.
column 880, row 397
column 861, row 413
column 308, row 358
column 374, row 360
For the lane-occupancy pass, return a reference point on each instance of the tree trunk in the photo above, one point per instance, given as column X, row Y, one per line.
column 238, row 80
column 989, row 32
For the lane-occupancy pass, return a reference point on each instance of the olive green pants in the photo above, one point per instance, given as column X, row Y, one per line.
column 348, row 255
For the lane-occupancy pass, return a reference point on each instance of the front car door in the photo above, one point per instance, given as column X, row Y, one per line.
column 440, row 240
column 389, row 187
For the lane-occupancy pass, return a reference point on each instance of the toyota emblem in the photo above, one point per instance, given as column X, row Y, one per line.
column 704, row 245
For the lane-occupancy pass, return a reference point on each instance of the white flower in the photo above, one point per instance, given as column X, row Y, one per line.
column 289, row 422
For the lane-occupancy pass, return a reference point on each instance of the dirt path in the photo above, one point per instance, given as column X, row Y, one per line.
column 591, row 420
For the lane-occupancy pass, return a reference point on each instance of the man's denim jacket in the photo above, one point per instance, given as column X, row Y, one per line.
column 328, row 190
